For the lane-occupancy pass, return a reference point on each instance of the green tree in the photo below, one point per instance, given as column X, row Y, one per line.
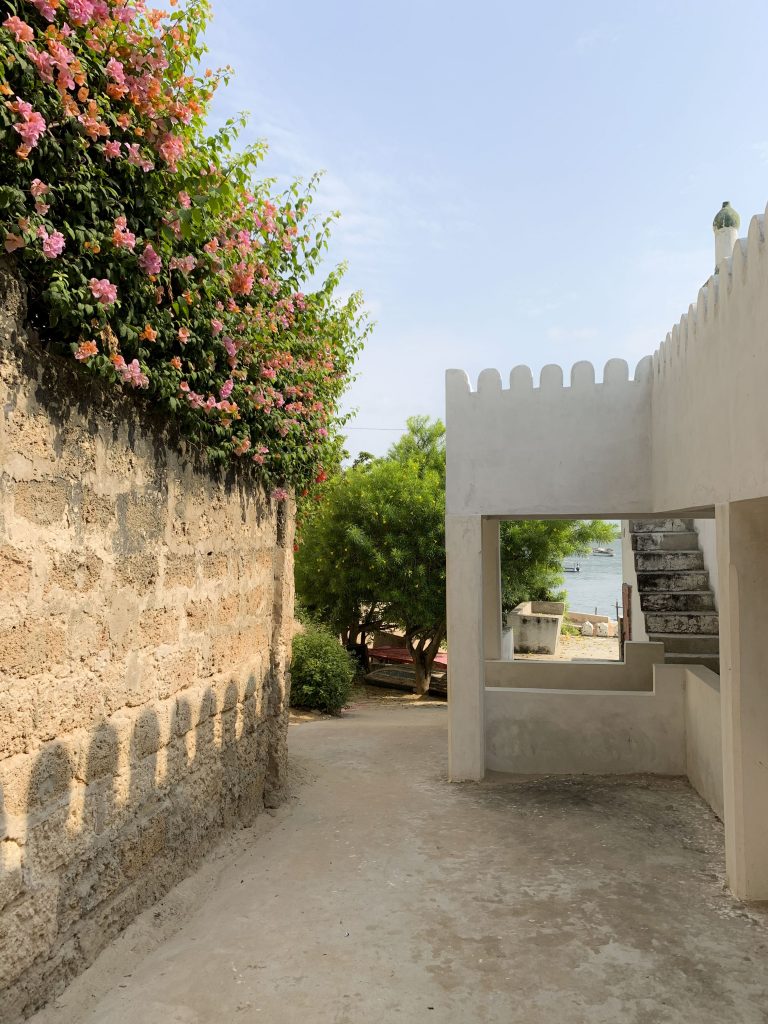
column 373, row 557
column 423, row 445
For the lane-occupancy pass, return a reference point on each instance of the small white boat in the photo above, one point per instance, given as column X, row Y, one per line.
column 572, row 568
column 603, row 551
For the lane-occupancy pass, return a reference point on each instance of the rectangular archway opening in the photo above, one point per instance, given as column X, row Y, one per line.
column 561, row 590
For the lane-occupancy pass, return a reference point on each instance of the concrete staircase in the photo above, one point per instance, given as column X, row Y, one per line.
column 675, row 596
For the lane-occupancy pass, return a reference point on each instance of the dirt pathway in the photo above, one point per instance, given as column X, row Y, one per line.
column 380, row 893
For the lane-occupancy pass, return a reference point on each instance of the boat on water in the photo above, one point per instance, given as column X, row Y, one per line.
column 572, row 568
column 603, row 551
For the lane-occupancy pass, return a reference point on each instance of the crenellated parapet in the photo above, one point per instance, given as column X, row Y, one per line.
column 582, row 378
column 509, row 447
column 688, row 429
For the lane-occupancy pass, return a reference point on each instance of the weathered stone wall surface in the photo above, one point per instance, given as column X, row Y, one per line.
column 145, row 612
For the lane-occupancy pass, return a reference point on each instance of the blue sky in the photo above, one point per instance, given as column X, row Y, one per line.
column 519, row 183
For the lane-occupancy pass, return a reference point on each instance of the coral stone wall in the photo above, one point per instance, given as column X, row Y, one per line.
column 145, row 613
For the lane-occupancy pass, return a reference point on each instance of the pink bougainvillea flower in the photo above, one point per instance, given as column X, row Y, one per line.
column 122, row 238
column 116, row 71
column 216, row 326
column 38, row 188
column 85, row 350
column 14, row 242
column 242, row 279
column 171, row 149
column 226, row 389
column 47, row 8
column 103, row 290
column 53, row 245
column 80, row 11
column 112, row 150
column 32, row 125
column 23, row 32
column 183, row 335
column 135, row 157
column 126, row 14
column 130, row 373
column 184, row 199
column 150, row 262
column 279, row 494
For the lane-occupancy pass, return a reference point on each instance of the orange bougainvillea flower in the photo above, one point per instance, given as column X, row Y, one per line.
column 148, row 334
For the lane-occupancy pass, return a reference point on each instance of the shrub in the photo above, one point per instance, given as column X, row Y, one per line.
column 322, row 672
column 151, row 254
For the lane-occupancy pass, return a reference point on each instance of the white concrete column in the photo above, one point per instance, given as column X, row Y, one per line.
column 742, row 543
column 492, row 624
column 466, row 682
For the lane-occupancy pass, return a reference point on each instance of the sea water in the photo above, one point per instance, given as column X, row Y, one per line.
column 596, row 588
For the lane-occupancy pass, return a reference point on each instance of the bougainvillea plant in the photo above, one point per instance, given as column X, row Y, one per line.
column 152, row 254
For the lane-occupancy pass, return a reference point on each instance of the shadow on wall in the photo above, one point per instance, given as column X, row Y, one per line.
column 104, row 828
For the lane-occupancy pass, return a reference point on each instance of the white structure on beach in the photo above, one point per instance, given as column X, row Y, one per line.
column 685, row 437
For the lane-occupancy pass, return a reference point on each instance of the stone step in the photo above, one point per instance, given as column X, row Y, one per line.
column 661, row 525
column 710, row 661
column 650, row 561
column 675, row 581
column 687, row 643
column 680, row 540
column 682, row 622
column 680, row 601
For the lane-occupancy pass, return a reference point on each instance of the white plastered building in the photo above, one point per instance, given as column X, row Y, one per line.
column 685, row 437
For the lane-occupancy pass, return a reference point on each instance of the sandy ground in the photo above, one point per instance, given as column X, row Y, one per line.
column 581, row 648
column 381, row 893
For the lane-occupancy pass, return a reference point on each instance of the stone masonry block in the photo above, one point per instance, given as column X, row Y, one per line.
column 159, row 626
column 138, row 571
column 32, row 646
column 73, row 572
column 15, row 572
column 97, row 510
column 11, row 882
column 43, row 502
column 180, row 570
column 199, row 615
column 16, row 717
column 27, row 930
column 215, row 565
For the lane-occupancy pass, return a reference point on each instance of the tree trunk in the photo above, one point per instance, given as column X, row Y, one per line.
column 423, row 653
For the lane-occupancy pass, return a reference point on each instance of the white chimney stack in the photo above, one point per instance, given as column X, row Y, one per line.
column 726, row 228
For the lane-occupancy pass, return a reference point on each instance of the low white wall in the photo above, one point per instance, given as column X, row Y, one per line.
column 587, row 732
column 536, row 626
column 634, row 673
column 703, row 736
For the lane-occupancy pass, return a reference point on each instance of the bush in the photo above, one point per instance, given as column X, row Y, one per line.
column 322, row 671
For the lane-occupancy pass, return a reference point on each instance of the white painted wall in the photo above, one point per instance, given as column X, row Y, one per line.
column 634, row 673
column 587, row 732
column 582, row 450
column 703, row 733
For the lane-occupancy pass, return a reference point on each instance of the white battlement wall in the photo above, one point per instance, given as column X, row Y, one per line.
column 582, row 450
column 689, row 431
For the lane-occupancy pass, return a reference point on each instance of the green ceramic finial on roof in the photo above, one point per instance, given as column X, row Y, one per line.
column 726, row 218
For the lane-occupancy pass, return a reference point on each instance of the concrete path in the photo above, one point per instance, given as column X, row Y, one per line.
column 381, row 893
